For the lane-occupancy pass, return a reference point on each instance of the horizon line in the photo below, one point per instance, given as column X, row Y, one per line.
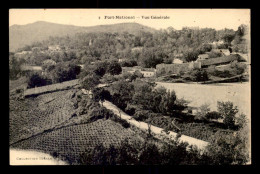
column 122, row 23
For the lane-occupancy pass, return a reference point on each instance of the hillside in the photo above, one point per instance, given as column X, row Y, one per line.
column 21, row 35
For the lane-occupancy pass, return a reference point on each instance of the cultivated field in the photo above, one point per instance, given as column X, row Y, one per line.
column 34, row 115
column 198, row 94
column 69, row 142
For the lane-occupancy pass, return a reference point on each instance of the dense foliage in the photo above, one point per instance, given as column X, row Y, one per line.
column 142, row 153
column 225, row 151
column 36, row 80
column 60, row 72
column 15, row 67
column 143, row 48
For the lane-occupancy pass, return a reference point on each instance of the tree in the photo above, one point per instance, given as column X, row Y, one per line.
column 213, row 115
column 150, row 57
column 122, row 93
column 63, row 71
column 100, row 68
column 35, row 80
column 200, row 75
column 191, row 56
column 167, row 103
column 142, row 90
column 14, row 67
column 241, row 120
column 203, row 111
column 228, row 150
column 114, row 68
column 228, row 112
column 205, row 48
column 90, row 81
column 100, row 94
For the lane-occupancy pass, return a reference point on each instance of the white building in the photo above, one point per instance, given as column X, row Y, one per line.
column 177, row 61
column 148, row 73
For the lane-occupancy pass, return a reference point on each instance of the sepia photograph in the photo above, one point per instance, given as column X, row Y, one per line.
column 129, row 87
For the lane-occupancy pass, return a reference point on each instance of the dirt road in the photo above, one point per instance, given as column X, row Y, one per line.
column 156, row 130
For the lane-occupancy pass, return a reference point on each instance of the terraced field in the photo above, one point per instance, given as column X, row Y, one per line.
column 69, row 142
column 34, row 115
column 46, row 124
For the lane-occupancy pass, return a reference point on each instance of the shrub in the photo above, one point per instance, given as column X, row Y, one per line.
column 124, row 123
column 237, row 68
column 144, row 153
column 222, row 74
column 36, row 80
column 114, row 68
column 90, row 81
column 227, row 150
column 107, row 78
column 223, row 46
column 63, row 71
column 213, row 115
column 228, row 112
column 191, row 56
column 130, row 109
column 19, row 90
column 138, row 74
column 199, row 75
column 205, row 48
column 241, row 120
column 128, row 63
column 181, row 104
column 203, row 111
column 141, row 115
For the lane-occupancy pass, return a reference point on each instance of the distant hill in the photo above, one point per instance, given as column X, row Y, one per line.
column 21, row 35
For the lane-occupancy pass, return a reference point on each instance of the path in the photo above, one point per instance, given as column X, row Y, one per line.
column 156, row 130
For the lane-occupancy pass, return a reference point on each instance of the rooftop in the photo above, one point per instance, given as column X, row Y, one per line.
column 221, row 60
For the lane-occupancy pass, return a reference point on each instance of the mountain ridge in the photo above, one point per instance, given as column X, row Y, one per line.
column 22, row 35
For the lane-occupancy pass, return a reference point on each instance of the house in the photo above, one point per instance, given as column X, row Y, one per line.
column 121, row 60
column 148, row 72
column 215, row 44
column 177, row 61
column 54, row 48
column 221, row 60
column 202, row 56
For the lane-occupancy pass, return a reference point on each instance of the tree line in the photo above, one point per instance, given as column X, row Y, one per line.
column 147, row 49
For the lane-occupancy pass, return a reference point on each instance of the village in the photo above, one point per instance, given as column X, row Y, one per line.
column 130, row 94
column 177, row 67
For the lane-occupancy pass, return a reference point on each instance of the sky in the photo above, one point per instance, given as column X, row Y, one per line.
column 177, row 18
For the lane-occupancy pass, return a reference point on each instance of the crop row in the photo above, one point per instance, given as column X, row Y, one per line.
column 28, row 117
column 70, row 142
